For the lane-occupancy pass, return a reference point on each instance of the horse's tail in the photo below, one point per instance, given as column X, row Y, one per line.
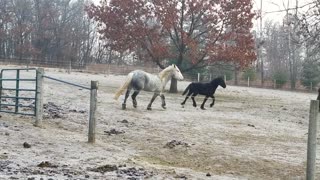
column 123, row 87
column 186, row 90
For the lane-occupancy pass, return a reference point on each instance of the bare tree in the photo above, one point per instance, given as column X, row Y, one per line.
column 275, row 48
column 55, row 32
column 284, row 46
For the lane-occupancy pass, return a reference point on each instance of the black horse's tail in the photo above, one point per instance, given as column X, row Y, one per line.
column 186, row 90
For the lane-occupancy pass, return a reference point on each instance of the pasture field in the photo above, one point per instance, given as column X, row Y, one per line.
column 250, row 133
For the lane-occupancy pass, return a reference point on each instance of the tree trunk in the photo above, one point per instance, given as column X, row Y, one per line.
column 293, row 75
column 236, row 75
column 173, row 86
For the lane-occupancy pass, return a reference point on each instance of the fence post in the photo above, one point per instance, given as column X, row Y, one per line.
column 311, row 86
column 312, row 140
column 0, row 88
column 225, row 78
column 248, row 81
column 93, row 108
column 69, row 70
column 198, row 77
column 274, row 84
column 39, row 97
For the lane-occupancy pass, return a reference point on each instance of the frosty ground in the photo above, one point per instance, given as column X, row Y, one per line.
column 250, row 133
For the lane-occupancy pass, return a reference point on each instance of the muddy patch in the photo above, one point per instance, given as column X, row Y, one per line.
column 47, row 164
column 104, row 168
column 174, row 143
column 53, row 111
column 113, row 132
column 124, row 171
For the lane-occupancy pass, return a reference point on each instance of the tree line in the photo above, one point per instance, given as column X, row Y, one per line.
column 50, row 31
column 290, row 47
column 204, row 36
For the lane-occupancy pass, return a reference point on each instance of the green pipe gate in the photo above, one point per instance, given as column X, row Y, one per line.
column 16, row 98
column 38, row 96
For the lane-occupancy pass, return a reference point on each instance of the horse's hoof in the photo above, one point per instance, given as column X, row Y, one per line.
column 194, row 105
column 149, row 108
column 123, row 106
column 134, row 104
column 211, row 105
column 203, row 108
column 164, row 107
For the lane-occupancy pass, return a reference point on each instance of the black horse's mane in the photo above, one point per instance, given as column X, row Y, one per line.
column 217, row 80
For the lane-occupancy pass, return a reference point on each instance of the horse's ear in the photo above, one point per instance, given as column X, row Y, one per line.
column 174, row 65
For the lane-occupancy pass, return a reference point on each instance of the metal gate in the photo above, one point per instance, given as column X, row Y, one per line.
column 15, row 99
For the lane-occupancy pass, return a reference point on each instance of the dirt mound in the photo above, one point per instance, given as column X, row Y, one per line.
column 175, row 143
column 123, row 171
column 47, row 164
column 113, row 132
column 51, row 110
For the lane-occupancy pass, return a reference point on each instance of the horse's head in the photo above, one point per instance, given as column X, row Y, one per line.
column 219, row 81
column 222, row 83
column 176, row 72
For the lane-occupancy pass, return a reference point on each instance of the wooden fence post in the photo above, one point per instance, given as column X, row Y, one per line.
column 93, row 108
column 198, row 77
column 0, row 86
column 312, row 139
column 248, row 81
column 69, row 70
column 39, row 97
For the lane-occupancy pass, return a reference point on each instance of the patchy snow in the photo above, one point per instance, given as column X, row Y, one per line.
column 250, row 133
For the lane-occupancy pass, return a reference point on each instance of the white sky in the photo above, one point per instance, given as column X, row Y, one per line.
column 276, row 5
column 270, row 6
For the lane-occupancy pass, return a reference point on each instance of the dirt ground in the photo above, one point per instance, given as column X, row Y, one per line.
column 250, row 133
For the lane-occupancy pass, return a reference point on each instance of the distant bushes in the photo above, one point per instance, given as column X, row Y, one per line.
column 280, row 78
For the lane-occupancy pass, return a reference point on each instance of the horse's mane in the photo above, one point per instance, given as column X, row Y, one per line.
column 216, row 80
column 164, row 73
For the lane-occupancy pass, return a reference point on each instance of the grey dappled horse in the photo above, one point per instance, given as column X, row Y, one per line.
column 139, row 80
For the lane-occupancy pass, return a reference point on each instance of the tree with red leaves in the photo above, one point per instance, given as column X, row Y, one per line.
column 194, row 33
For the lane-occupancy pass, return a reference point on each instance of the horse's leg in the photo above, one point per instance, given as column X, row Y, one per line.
column 152, row 99
column 163, row 105
column 188, row 95
column 213, row 99
column 125, row 98
column 194, row 102
column 134, row 101
column 204, row 101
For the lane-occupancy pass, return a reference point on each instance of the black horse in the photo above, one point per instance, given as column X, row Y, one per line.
column 207, row 89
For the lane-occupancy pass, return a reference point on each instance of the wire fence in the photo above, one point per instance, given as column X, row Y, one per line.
column 118, row 69
column 272, row 84
column 113, row 69
column 62, row 64
column 268, row 83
